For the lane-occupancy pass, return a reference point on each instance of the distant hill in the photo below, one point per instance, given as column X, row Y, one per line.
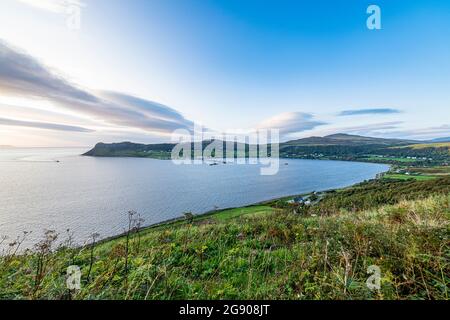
column 124, row 148
column 359, row 148
column 128, row 149
column 333, row 147
column 342, row 139
column 446, row 139
column 428, row 145
column 156, row 151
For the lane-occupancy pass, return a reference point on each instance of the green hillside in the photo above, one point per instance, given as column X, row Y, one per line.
column 346, row 140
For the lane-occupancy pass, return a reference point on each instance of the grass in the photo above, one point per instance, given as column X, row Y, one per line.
column 431, row 145
column 397, row 159
column 419, row 173
column 213, row 216
column 375, row 193
column 437, row 170
column 234, row 213
column 420, row 146
column 256, row 252
column 407, row 177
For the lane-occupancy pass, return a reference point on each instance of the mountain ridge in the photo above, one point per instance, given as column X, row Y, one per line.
column 332, row 147
column 334, row 139
column 348, row 139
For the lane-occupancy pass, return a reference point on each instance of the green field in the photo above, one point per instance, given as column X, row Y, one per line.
column 436, row 170
column 418, row 173
column 380, row 159
column 213, row 216
column 431, row 145
column 234, row 213
column 407, row 177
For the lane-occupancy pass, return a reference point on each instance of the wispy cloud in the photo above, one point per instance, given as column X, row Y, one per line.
column 42, row 125
column 357, row 112
column 291, row 122
column 373, row 129
column 23, row 75
column 394, row 129
column 421, row 133
column 158, row 116
column 56, row 6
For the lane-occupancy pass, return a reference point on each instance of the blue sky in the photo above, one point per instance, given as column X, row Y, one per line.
column 305, row 67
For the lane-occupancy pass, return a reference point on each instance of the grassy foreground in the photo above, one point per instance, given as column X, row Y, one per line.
column 258, row 252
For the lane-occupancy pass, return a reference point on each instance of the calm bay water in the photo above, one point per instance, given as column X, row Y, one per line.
column 89, row 195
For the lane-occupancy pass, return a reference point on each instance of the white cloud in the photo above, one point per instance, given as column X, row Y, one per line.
column 56, row 6
column 420, row 133
column 24, row 76
column 43, row 125
column 374, row 111
column 291, row 122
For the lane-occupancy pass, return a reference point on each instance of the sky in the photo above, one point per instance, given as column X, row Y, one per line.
column 139, row 70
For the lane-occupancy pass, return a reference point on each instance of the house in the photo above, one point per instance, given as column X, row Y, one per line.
column 297, row 200
column 300, row 200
